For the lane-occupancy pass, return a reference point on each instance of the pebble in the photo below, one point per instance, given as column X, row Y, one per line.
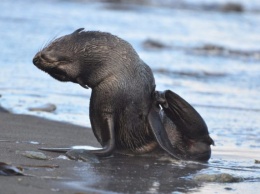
column 35, row 155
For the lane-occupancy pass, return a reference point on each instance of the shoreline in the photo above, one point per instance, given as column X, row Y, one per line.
column 21, row 133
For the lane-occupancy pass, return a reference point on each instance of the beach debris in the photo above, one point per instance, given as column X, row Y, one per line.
column 35, row 155
column 219, row 178
column 44, row 108
column 257, row 161
column 10, row 170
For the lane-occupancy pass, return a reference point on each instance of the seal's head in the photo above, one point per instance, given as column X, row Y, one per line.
column 57, row 58
column 84, row 57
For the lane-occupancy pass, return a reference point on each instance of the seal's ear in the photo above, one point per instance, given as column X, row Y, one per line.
column 78, row 30
column 184, row 116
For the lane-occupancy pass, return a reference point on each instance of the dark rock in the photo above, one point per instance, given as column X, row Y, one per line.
column 154, row 44
column 232, row 7
column 228, row 188
column 226, row 7
column 209, row 49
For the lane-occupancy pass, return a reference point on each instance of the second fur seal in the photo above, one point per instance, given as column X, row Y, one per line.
column 125, row 110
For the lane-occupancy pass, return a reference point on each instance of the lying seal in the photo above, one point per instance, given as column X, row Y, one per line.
column 125, row 111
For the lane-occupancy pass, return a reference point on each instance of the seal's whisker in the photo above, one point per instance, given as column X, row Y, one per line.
column 53, row 39
column 44, row 44
column 48, row 42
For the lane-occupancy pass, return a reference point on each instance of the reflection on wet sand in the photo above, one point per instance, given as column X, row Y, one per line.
column 124, row 174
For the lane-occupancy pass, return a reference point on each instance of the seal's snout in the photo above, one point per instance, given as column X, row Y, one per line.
column 40, row 62
column 43, row 60
column 36, row 60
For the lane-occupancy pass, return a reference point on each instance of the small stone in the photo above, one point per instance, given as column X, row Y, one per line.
column 257, row 161
column 219, row 178
column 35, row 155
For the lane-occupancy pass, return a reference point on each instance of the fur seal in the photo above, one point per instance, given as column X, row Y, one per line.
column 126, row 113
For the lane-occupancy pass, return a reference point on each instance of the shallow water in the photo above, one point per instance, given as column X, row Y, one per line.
column 224, row 86
column 150, row 175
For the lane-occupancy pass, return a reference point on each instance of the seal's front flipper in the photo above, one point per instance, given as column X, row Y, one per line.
column 105, row 151
column 59, row 150
column 160, row 134
column 66, row 149
column 91, row 154
column 75, row 154
column 81, row 154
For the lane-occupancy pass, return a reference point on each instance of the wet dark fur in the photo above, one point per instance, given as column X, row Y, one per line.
column 122, row 86
column 117, row 76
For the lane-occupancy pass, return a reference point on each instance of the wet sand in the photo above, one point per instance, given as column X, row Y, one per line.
column 19, row 133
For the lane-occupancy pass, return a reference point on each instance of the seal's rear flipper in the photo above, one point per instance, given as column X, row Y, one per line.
column 160, row 134
column 187, row 120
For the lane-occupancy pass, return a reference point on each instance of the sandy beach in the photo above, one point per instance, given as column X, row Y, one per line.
column 19, row 133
